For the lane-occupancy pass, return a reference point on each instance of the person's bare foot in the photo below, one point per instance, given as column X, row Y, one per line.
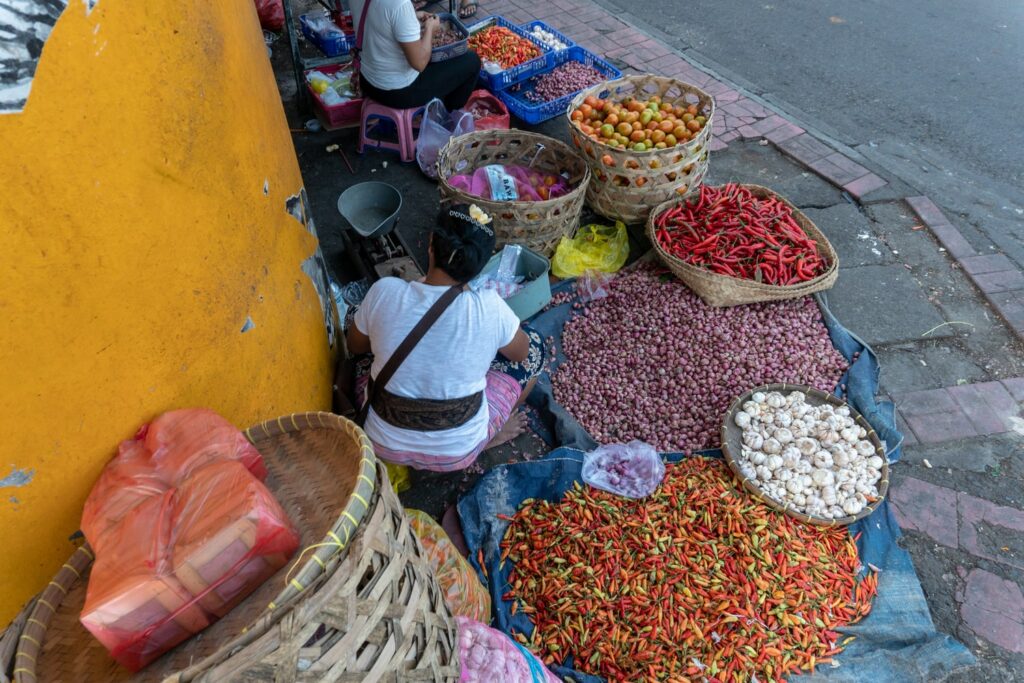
column 515, row 426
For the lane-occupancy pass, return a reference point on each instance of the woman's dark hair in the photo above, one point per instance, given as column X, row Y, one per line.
column 461, row 245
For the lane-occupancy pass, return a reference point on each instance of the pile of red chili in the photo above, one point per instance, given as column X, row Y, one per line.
column 730, row 231
column 697, row 582
column 499, row 44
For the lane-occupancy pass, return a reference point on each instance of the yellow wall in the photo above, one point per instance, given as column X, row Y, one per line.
column 135, row 241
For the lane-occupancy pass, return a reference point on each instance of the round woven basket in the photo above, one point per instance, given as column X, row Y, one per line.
column 732, row 448
column 722, row 290
column 360, row 604
column 627, row 184
column 539, row 226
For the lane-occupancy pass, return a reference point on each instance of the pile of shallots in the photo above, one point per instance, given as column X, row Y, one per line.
column 815, row 459
column 654, row 363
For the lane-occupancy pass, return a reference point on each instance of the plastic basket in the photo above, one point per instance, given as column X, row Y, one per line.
column 558, row 34
column 335, row 115
column 332, row 47
column 519, row 106
column 451, row 50
column 517, row 74
column 536, row 293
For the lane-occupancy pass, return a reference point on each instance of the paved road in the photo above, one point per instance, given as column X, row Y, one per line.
column 930, row 90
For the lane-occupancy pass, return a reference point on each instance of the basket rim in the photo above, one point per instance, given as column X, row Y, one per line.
column 312, row 571
column 675, row 261
column 628, row 78
column 542, row 204
column 748, row 484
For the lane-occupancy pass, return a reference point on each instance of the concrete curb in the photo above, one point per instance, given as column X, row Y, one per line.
column 744, row 115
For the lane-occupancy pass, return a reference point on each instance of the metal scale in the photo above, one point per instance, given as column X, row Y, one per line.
column 371, row 210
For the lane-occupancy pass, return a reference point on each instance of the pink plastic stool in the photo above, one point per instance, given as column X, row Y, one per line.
column 404, row 121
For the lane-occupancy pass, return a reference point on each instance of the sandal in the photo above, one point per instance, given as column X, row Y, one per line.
column 419, row 4
column 467, row 8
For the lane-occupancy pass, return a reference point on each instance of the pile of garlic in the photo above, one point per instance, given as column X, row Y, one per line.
column 815, row 459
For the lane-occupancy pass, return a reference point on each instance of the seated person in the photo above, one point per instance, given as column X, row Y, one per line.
column 459, row 390
column 395, row 61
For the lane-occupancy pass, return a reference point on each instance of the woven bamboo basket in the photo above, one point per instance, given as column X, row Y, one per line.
column 360, row 604
column 633, row 183
column 732, row 448
column 722, row 290
column 539, row 226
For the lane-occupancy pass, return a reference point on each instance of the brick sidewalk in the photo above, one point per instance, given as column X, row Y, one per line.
column 742, row 118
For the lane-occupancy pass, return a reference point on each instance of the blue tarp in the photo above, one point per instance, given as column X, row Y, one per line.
column 897, row 642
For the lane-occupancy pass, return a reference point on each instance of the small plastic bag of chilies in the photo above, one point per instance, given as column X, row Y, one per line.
column 593, row 247
column 633, row 470
column 487, row 655
column 464, row 593
column 593, row 285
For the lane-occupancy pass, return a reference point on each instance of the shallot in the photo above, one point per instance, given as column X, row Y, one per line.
column 566, row 79
column 652, row 362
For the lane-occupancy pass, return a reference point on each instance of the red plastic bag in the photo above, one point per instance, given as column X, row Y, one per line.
column 271, row 13
column 182, row 533
column 489, row 113
column 182, row 441
column 230, row 536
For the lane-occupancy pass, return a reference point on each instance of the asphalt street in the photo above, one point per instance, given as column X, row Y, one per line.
column 930, row 91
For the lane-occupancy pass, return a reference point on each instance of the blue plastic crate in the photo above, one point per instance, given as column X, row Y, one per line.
column 558, row 34
column 451, row 50
column 519, row 73
column 532, row 113
column 332, row 46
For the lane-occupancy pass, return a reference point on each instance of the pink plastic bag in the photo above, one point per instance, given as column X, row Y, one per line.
column 487, row 655
column 271, row 13
column 182, row 533
column 511, row 183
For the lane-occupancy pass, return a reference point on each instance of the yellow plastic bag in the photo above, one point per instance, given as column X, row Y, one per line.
column 399, row 476
column 465, row 595
column 593, row 247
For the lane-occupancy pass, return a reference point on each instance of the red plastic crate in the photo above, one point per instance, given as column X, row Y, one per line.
column 336, row 115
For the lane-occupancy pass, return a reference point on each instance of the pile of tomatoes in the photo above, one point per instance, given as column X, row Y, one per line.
column 638, row 125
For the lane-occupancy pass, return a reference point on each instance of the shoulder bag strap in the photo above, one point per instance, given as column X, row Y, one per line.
column 407, row 345
column 359, row 35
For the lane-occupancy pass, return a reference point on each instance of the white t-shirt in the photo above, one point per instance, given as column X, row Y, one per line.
column 450, row 361
column 389, row 23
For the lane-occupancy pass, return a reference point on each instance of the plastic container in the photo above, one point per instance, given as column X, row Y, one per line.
column 536, row 293
column 451, row 50
column 517, row 74
column 528, row 27
column 532, row 113
column 335, row 115
column 333, row 46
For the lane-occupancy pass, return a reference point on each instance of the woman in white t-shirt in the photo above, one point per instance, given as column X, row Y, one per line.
column 459, row 389
column 395, row 61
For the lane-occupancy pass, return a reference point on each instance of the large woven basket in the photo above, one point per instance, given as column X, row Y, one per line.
column 627, row 184
column 732, row 447
column 539, row 226
column 722, row 290
column 361, row 604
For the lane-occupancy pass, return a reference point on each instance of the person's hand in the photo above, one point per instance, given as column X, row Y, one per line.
column 422, row 16
column 432, row 24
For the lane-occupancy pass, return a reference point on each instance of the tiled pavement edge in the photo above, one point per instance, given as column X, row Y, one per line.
column 741, row 117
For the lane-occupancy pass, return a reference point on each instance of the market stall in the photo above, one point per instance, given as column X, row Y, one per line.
column 712, row 507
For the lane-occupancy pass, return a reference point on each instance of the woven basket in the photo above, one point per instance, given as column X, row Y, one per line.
column 539, row 226
column 362, row 603
column 722, row 290
column 732, row 445
column 635, row 182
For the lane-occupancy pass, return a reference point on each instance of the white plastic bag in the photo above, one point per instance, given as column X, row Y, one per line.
column 487, row 655
column 633, row 470
column 437, row 129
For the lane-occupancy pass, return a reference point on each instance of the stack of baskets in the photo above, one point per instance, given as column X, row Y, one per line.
column 538, row 225
column 627, row 184
column 360, row 603
column 722, row 290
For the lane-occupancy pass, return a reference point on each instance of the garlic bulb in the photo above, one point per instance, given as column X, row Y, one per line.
column 812, row 458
